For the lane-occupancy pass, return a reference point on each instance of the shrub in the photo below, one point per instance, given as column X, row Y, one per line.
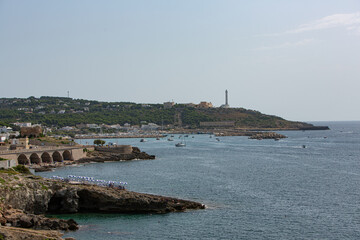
column 22, row 169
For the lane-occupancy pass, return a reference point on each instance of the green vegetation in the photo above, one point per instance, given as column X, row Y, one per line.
column 8, row 171
column 44, row 187
column 47, row 111
column 2, row 181
column 2, row 159
column 99, row 142
column 22, row 169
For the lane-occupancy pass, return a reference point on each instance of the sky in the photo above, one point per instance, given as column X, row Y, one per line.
column 297, row 59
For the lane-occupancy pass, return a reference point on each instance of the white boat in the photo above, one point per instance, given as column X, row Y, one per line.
column 170, row 139
column 142, row 140
column 180, row 144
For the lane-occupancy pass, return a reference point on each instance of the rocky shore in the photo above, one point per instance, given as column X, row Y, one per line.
column 26, row 198
column 267, row 135
column 103, row 154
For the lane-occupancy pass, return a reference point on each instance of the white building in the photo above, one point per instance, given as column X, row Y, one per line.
column 92, row 126
column 150, row 127
column 28, row 124
column 5, row 129
column 67, row 128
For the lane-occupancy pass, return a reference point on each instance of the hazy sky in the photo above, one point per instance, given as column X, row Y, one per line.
column 297, row 59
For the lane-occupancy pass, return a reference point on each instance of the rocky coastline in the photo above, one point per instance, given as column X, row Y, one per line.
column 25, row 199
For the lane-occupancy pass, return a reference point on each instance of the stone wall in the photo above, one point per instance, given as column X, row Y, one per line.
column 122, row 149
column 8, row 163
column 30, row 131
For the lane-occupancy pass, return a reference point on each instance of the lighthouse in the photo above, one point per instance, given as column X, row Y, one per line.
column 226, row 98
column 226, row 105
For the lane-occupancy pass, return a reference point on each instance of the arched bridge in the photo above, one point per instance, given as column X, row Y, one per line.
column 44, row 155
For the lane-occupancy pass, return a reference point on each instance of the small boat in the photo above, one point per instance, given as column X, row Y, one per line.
column 217, row 139
column 186, row 136
column 303, row 146
column 157, row 138
column 142, row 140
column 180, row 144
column 170, row 139
column 277, row 139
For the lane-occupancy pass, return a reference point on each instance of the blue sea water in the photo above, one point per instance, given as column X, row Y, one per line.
column 252, row 189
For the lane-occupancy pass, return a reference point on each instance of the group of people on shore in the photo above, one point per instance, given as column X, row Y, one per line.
column 91, row 180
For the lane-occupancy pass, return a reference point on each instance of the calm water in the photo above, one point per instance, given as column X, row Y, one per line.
column 253, row 189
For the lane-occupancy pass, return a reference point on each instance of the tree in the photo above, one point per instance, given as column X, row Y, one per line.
column 99, row 142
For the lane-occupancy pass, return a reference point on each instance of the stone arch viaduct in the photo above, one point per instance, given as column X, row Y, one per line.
column 44, row 155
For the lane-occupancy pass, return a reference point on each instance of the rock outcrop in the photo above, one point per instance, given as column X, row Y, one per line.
column 18, row 218
column 14, row 233
column 35, row 195
column 24, row 198
column 103, row 154
column 267, row 135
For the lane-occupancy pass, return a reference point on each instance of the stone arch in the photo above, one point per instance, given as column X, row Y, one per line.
column 46, row 158
column 57, row 157
column 22, row 159
column 34, row 159
column 67, row 155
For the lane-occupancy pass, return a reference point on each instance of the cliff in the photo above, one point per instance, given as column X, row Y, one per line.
column 25, row 198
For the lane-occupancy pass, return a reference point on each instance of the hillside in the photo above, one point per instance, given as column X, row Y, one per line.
column 59, row 111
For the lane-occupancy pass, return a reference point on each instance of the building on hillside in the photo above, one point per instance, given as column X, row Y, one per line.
column 116, row 126
column 20, row 142
column 94, row 126
column 5, row 129
column 205, row 105
column 66, row 128
column 28, row 124
column 150, row 127
column 168, row 105
column 31, row 131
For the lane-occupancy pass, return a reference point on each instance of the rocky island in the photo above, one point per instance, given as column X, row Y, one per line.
column 25, row 199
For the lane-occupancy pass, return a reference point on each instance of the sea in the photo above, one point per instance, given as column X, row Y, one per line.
column 306, row 186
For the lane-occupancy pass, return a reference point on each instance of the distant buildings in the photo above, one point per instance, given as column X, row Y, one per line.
column 205, row 105
column 150, row 127
column 5, row 129
column 218, row 124
column 27, row 124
